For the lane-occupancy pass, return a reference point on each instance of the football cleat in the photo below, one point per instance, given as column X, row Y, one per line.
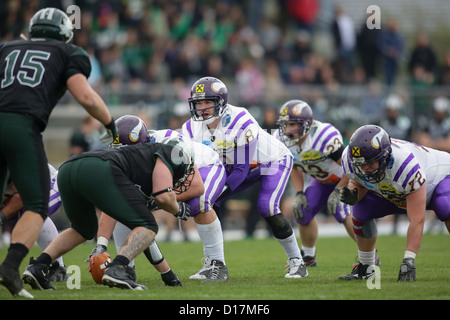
column 36, row 275
column 407, row 270
column 218, row 272
column 204, row 271
column 11, row 280
column 57, row 273
column 296, row 268
column 309, row 261
column 359, row 272
column 120, row 276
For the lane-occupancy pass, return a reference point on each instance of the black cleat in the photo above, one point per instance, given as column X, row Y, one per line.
column 10, row 278
column 36, row 275
column 120, row 276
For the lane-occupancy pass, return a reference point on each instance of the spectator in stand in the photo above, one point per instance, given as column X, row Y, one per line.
column 368, row 50
column 391, row 46
column 423, row 55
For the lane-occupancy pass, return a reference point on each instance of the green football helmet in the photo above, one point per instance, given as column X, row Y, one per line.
column 51, row 23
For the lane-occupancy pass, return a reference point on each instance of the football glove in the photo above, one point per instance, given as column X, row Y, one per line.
column 111, row 134
column 184, row 212
column 98, row 249
column 407, row 270
column 349, row 196
column 333, row 201
column 300, row 202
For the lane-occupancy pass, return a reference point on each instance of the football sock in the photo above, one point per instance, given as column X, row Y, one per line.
column 367, row 258
column 48, row 233
column 290, row 246
column 16, row 253
column 309, row 251
column 44, row 258
column 212, row 239
column 120, row 260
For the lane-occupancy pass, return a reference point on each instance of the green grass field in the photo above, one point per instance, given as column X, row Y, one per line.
column 256, row 271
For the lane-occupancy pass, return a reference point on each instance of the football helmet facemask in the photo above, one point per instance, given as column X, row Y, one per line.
column 294, row 111
column 211, row 89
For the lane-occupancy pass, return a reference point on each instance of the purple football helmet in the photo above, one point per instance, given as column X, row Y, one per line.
column 368, row 144
column 131, row 130
column 294, row 111
column 212, row 89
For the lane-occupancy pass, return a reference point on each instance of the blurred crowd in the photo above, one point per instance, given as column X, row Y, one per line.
column 267, row 52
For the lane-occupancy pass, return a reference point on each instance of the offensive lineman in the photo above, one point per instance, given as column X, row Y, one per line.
column 249, row 154
column 34, row 74
column 391, row 176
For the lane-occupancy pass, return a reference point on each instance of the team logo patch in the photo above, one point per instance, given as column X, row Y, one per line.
column 284, row 111
column 376, row 140
column 226, row 120
column 297, row 110
column 217, row 86
column 356, row 152
column 200, row 88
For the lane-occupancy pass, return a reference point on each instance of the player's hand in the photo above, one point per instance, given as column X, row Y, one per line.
column 300, row 202
column 111, row 134
column 349, row 196
column 184, row 212
column 99, row 249
column 333, row 201
column 407, row 270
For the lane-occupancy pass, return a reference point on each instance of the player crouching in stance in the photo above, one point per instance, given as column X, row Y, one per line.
column 390, row 176
column 250, row 155
column 108, row 180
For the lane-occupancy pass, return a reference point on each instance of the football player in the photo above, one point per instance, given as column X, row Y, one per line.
column 249, row 154
column 14, row 206
column 391, row 176
column 118, row 181
column 317, row 148
column 131, row 130
column 34, row 75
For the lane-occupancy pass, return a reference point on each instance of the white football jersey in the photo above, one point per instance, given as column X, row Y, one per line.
column 203, row 156
column 312, row 155
column 237, row 128
column 410, row 167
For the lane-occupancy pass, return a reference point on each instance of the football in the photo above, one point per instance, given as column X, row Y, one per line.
column 97, row 266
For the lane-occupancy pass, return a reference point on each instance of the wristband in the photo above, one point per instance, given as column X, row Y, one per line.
column 299, row 192
column 102, row 241
column 111, row 125
column 162, row 191
column 409, row 254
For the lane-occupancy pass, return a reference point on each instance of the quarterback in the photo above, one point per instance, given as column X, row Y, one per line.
column 249, row 154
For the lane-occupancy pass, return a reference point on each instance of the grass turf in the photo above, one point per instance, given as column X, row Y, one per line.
column 256, row 272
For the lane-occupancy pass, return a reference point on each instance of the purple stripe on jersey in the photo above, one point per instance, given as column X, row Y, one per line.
column 402, row 167
column 331, row 135
column 240, row 115
column 210, row 188
column 168, row 133
column 245, row 125
column 320, row 135
column 287, row 167
column 410, row 173
column 189, row 128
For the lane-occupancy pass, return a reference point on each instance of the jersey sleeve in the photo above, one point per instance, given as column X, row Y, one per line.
column 328, row 140
column 79, row 62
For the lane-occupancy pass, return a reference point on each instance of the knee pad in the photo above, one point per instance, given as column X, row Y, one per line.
column 367, row 229
column 281, row 228
column 153, row 253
